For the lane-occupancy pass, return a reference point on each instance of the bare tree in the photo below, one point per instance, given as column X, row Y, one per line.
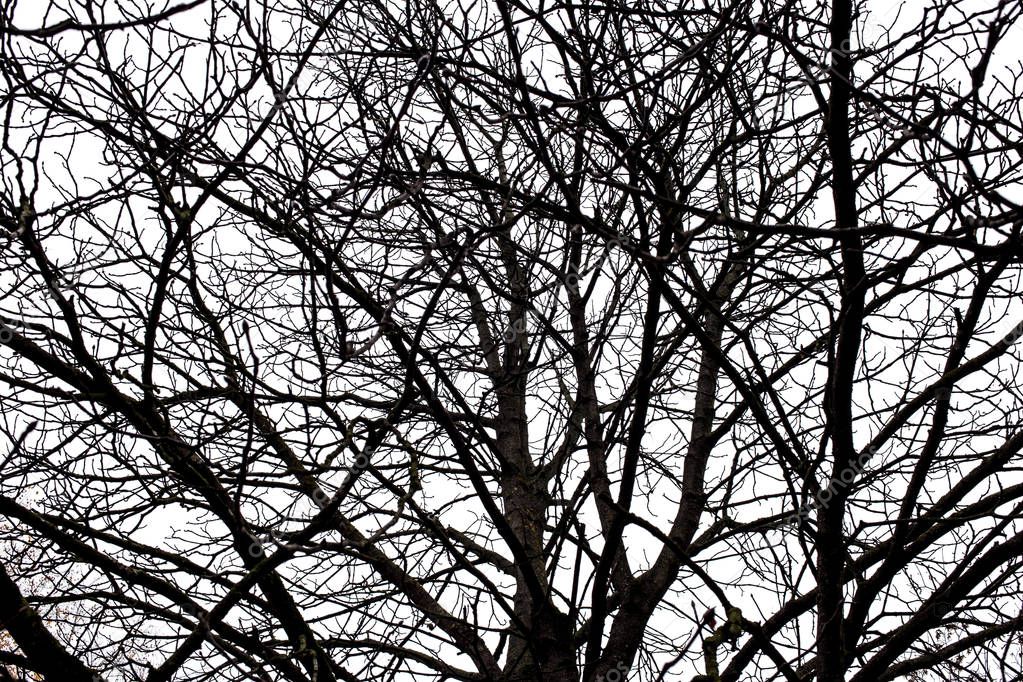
column 511, row 341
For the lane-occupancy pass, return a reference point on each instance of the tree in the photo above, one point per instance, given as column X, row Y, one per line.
column 501, row 340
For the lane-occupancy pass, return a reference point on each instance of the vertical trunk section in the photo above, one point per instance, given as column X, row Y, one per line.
column 832, row 658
